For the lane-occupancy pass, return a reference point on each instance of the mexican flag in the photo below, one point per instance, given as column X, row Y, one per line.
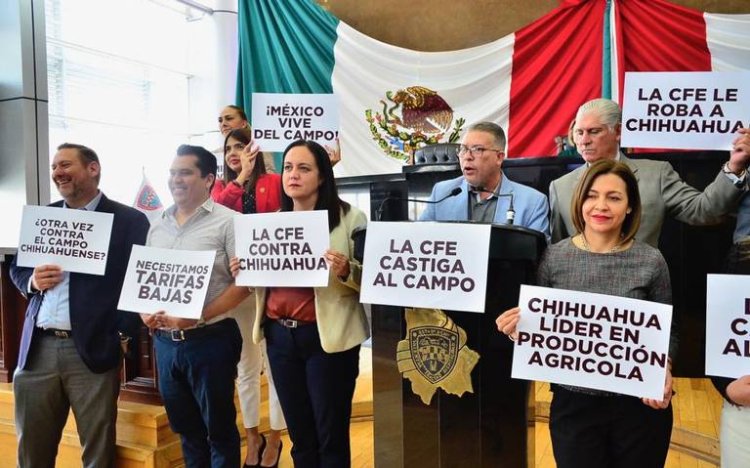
column 393, row 100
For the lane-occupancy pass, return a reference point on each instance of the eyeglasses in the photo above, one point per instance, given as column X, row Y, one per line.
column 475, row 151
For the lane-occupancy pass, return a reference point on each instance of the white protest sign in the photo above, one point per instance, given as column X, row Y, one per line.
column 282, row 249
column 728, row 325
column 433, row 265
column 609, row 343
column 684, row 110
column 175, row 281
column 279, row 119
column 76, row 240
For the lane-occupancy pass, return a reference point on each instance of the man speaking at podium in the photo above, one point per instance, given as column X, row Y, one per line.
column 486, row 194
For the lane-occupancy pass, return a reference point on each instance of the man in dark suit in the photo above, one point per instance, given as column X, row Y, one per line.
column 70, row 348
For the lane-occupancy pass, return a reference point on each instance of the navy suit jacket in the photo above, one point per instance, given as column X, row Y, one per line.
column 94, row 318
column 531, row 207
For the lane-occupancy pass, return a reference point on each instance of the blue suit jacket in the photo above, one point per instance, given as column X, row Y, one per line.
column 532, row 209
column 94, row 317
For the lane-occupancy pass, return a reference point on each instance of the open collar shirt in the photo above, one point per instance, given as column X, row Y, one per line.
column 209, row 228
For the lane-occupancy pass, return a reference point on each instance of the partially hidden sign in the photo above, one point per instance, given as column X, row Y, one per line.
column 728, row 325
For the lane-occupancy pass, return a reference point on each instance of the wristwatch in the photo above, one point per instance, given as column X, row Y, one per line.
column 737, row 180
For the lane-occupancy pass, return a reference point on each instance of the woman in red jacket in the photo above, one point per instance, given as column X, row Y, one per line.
column 247, row 188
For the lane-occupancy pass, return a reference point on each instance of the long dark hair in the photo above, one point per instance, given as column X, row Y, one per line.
column 243, row 135
column 328, row 196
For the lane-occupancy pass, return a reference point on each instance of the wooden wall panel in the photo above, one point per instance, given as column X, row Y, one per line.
column 436, row 25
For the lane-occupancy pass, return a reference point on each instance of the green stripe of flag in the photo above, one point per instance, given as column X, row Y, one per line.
column 607, row 54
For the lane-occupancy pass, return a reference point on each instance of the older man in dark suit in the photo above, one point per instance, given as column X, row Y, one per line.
column 70, row 348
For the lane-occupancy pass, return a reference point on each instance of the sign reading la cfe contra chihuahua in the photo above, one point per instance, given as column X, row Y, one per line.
column 282, row 249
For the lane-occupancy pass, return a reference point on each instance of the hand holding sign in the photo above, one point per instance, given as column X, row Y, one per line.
column 739, row 391
column 234, row 266
column 46, row 277
column 150, row 320
column 338, row 262
column 508, row 321
column 334, row 153
column 160, row 319
column 664, row 402
column 247, row 158
column 739, row 156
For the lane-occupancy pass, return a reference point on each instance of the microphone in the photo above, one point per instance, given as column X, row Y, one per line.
column 510, row 215
column 453, row 193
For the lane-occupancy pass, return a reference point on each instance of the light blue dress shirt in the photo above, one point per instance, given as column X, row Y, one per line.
column 55, row 309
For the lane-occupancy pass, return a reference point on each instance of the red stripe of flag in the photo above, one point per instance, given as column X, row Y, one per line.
column 557, row 66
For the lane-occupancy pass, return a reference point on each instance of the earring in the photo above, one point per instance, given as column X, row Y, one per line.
column 628, row 211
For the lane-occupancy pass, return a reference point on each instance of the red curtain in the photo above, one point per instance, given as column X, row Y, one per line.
column 557, row 66
column 659, row 36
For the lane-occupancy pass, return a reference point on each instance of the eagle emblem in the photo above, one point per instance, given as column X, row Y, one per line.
column 410, row 119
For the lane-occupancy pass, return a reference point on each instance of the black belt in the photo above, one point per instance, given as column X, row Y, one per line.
column 64, row 334
column 291, row 323
column 193, row 333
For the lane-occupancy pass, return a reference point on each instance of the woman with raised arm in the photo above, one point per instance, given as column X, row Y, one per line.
column 247, row 188
column 233, row 117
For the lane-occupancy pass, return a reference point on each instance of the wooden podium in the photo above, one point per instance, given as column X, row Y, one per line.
column 493, row 426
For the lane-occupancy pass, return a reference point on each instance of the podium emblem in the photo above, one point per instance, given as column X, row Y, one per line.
column 433, row 354
column 434, row 351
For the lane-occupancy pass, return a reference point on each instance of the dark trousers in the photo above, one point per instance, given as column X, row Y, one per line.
column 607, row 431
column 315, row 390
column 196, row 381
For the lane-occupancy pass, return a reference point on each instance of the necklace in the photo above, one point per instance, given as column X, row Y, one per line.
column 586, row 247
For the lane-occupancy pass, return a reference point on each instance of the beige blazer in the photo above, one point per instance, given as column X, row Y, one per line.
column 662, row 192
column 341, row 319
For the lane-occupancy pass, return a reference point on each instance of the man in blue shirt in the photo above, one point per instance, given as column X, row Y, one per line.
column 486, row 192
